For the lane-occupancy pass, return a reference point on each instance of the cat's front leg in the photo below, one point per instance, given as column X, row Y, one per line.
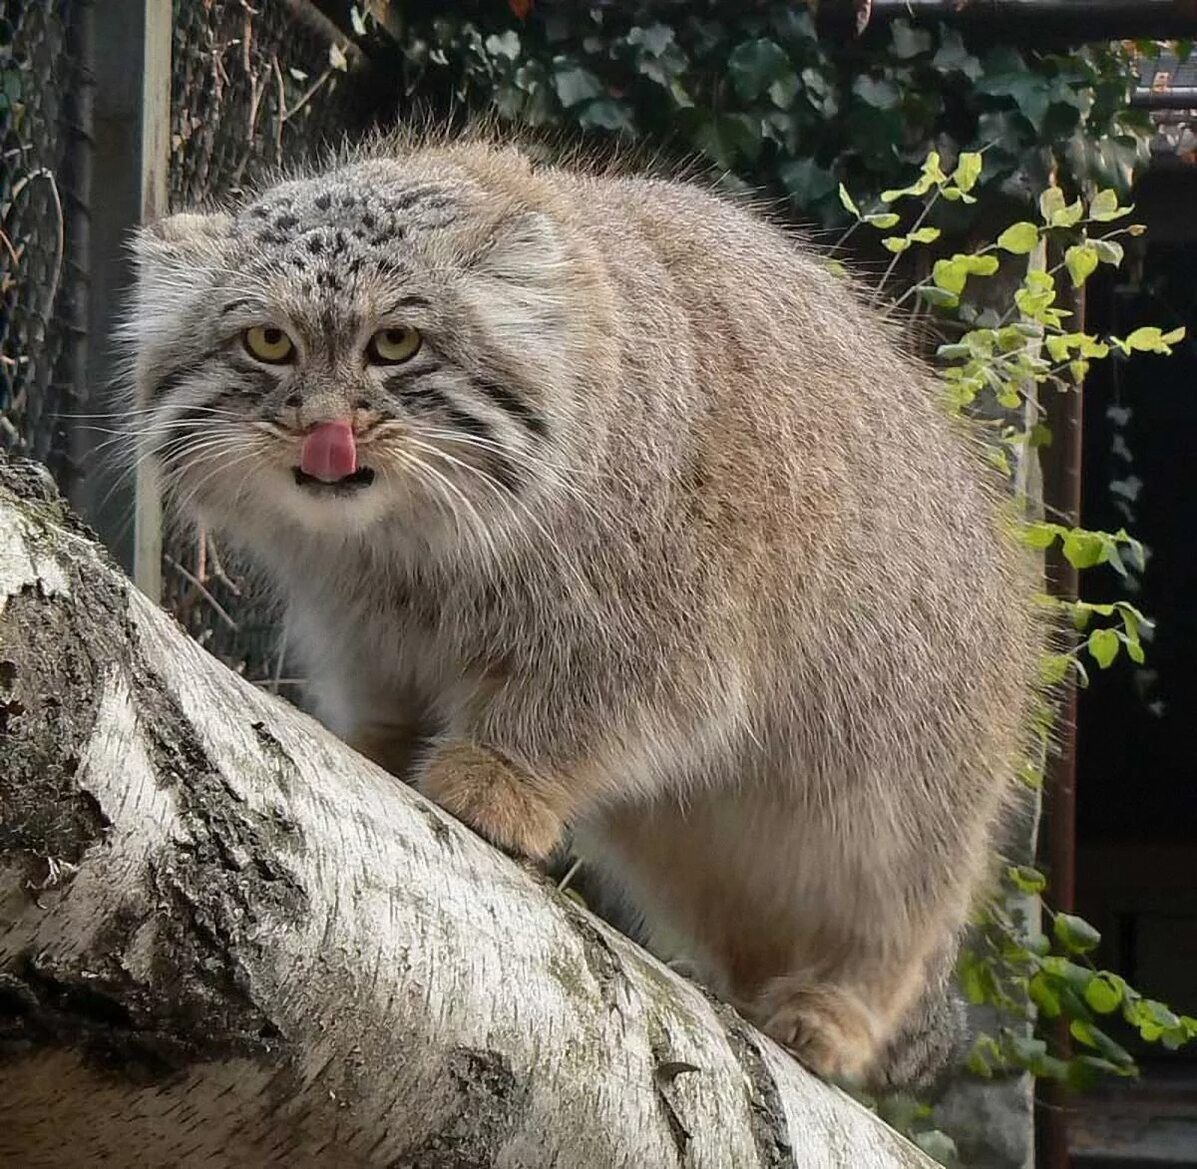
column 520, row 812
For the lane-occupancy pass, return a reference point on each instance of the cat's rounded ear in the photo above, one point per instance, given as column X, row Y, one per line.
column 186, row 240
column 525, row 250
column 518, row 286
column 177, row 260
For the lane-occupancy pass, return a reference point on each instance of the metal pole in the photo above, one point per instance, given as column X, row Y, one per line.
column 1062, row 470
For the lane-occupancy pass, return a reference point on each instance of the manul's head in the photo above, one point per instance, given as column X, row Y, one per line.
column 390, row 342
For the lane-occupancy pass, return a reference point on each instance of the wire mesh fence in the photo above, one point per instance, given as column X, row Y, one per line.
column 41, row 80
column 255, row 87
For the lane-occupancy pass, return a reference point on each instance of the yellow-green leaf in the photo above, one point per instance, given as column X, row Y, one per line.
column 924, row 235
column 1019, row 238
column 968, row 170
column 1105, row 207
column 1084, row 549
column 932, row 170
column 1108, row 251
column 950, row 275
column 979, row 265
column 1081, row 261
column 1103, row 645
column 1075, row 933
column 896, row 244
column 882, row 220
column 1068, row 216
column 1040, row 535
column 1050, row 202
column 846, row 200
column 1103, row 993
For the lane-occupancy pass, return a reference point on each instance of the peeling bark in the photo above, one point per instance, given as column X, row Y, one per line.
column 228, row 941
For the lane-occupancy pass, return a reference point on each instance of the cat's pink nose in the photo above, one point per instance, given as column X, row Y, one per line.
column 329, row 452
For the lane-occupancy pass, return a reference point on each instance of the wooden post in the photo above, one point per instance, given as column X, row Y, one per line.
column 132, row 40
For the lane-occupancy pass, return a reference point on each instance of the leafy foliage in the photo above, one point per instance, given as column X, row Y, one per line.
column 758, row 94
column 1000, row 367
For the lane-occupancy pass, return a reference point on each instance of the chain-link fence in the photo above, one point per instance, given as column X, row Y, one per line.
column 43, row 87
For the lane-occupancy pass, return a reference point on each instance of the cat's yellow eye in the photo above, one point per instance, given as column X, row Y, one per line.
column 269, row 343
column 394, row 345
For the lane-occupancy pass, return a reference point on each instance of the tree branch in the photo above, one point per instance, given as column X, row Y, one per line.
column 228, row 941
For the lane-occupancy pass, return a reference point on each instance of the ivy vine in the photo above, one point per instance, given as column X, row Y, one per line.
column 758, row 94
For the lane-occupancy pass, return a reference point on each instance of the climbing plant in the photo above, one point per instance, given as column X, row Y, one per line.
column 1002, row 363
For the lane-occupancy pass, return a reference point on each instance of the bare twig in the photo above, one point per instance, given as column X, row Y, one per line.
column 217, row 607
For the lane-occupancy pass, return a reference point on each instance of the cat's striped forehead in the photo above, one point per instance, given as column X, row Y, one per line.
column 346, row 220
column 330, row 233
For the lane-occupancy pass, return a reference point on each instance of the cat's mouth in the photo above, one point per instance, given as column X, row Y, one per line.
column 358, row 481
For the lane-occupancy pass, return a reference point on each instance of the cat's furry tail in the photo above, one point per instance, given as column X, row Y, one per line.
column 931, row 1043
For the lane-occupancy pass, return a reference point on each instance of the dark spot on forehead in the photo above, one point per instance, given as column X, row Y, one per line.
column 315, row 244
column 323, row 201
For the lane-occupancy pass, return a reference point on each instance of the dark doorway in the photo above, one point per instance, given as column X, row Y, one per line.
column 1136, row 877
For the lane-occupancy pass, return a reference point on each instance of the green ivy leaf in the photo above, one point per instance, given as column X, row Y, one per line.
column 953, row 57
column 896, row 244
column 1027, row 879
column 924, row 235
column 605, row 114
column 847, row 202
column 1108, row 251
column 1019, row 238
column 881, row 95
column 1043, row 995
column 937, row 1145
column 909, row 42
column 938, row 297
column 728, row 137
column 1084, row 549
column 1075, row 933
column 504, row 45
column 755, row 65
column 806, row 181
column 575, row 85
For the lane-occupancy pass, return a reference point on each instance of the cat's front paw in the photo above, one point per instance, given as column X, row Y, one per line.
column 509, row 808
column 828, row 1028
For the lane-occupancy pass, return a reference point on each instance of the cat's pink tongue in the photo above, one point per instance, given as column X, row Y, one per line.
column 329, row 452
